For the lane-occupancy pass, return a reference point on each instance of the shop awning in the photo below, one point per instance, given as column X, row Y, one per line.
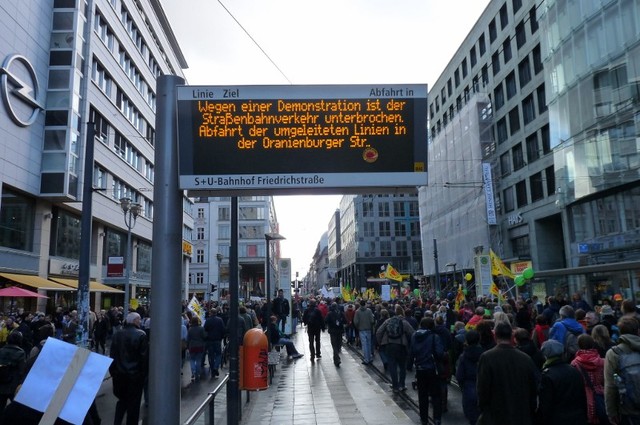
column 35, row 282
column 93, row 285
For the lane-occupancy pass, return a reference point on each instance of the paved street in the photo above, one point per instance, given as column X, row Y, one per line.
column 309, row 393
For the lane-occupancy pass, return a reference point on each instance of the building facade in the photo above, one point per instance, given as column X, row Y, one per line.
column 212, row 242
column 591, row 58
column 376, row 230
column 555, row 178
column 81, row 62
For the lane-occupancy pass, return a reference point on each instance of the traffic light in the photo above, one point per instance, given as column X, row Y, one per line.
column 214, row 287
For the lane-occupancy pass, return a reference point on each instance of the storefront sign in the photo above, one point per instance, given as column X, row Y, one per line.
column 115, row 267
column 19, row 87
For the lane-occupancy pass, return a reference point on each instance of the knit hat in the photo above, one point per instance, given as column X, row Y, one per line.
column 606, row 310
column 552, row 348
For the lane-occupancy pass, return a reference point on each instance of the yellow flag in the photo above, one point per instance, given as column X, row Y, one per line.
column 393, row 274
column 498, row 268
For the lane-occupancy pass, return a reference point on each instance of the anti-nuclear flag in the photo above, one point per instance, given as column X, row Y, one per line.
column 392, row 274
column 346, row 293
column 195, row 307
column 459, row 299
column 498, row 268
column 494, row 289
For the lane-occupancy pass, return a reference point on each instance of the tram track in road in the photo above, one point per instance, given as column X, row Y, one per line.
column 406, row 399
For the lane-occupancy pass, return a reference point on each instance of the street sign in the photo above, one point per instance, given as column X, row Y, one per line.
column 298, row 139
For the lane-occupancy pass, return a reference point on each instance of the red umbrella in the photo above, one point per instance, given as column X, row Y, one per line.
column 14, row 291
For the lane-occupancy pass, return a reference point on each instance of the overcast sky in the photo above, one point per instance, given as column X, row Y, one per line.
column 318, row 42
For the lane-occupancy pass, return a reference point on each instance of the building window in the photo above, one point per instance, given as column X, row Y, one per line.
column 533, row 151
column 514, row 120
column 495, row 63
column 504, row 17
column 200, row 233
column 521, row 248
column 443, row 95
column 224, row 213
column 498, row 97
column 224, row 231
column 385, row 248
column 481, row 45
column 369, row 231
column 550, row 175
column 537, row 60
column 528, row 109
column 546, row 139
column 367, row 209
column 399, row 229
column 511, row 85
column 200, row 212
column 401, row 248
column 449, row 87
column 542, row 99
column 485, row 75
column 493, row 32
column 521, row 193
column 199, row 278
column 506, row 50
column 521, row 35
column 17, row 215
column 518, row 157
column 384, row 228
column 536, row 185
column 456, row 77
column 505, row 164
column 199, row 255
column 517, row 4
column 533, row 20
column 507, row 199
column 251, row 213
column 472, row 56
column 383, row 210
column 464, row 68
column 524, row 72
column 501, row 128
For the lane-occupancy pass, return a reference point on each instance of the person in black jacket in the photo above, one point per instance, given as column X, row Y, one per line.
column 215, row 330
column 335, row 322
column 315, row 324
column 277, row 338
column 427, row 352
column 130, row 354
column 562, row 399
column 467, row 375
column 12, row 367
column 281, row 309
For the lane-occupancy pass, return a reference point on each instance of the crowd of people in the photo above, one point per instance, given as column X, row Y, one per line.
column 515, row 361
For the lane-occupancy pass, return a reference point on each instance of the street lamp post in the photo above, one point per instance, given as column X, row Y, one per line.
column 268, row 237
column 219, row 257
column 131, row 211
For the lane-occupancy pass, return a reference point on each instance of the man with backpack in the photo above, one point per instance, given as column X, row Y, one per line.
column 622, row 375
column 566, row 331
column 395, row 335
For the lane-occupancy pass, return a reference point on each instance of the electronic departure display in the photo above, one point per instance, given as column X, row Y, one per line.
column 301, row 139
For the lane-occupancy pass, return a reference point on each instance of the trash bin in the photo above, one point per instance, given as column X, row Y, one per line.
column 255, row 360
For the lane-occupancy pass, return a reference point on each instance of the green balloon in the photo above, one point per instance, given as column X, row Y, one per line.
column 464, row 291
column 416, row 292
column 527, row 273
column 519, row 280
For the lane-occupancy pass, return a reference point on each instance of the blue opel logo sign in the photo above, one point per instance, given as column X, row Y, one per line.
column 14, row 89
